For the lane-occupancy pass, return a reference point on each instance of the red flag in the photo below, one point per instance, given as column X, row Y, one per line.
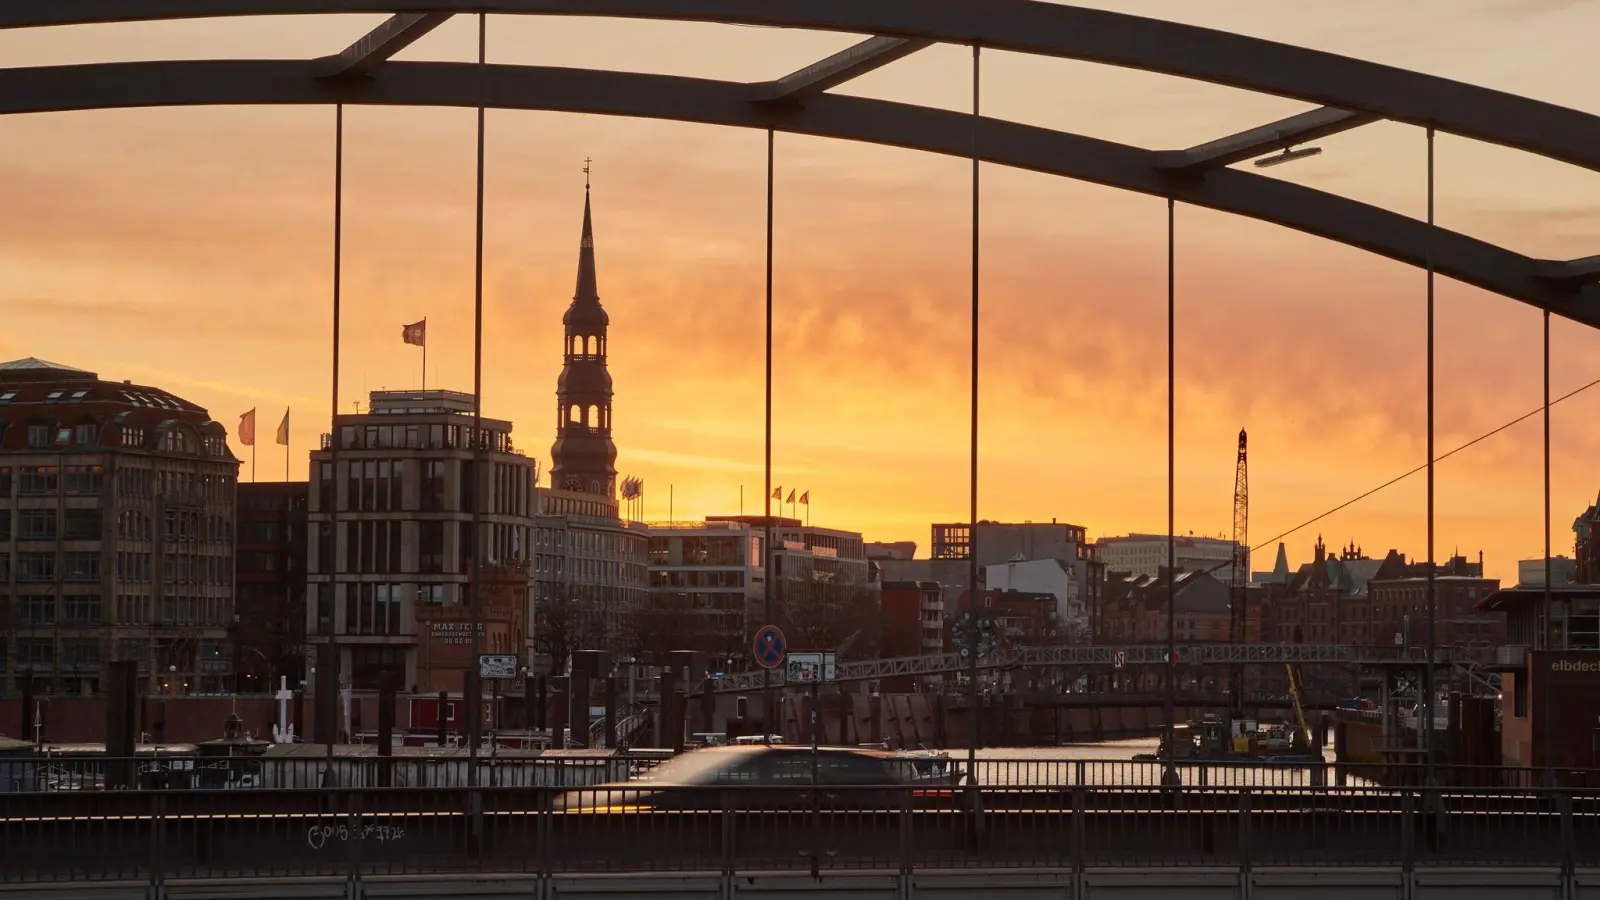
column 806, row 498
column 247, row 429
column 416, row 333
column 791, row 497
column 777, row 494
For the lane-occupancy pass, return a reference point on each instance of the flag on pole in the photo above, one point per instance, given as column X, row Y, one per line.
column 791, row 496
column 806, row 498
column 247, row 429
column 416, row 333
column 777, row 493
column 283, row 430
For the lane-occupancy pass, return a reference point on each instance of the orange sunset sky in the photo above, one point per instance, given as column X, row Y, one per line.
column 191, row 249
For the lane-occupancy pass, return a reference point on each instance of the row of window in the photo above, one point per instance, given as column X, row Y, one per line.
column 176, row 568
column 42, row 609
column 70, row 566
column 48, row 524
column 719, row 579
column 137, row 610
column 35, row 481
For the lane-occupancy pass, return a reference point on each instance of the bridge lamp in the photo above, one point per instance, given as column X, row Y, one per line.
column 1287, row 156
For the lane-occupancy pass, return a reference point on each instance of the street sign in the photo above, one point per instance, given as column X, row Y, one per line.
column 769, row 647
column 497, row 666
column 1119, row 659
column 815, row 667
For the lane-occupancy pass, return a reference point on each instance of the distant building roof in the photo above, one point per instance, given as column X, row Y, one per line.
column 22, row 369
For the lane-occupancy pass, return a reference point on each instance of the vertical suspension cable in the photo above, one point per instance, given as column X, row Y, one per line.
column 1171, row 773
column 972, row 518
column 475, row 704
column 1549, row 606
column 768, row 711
column 1425, row 721
column 328, row 684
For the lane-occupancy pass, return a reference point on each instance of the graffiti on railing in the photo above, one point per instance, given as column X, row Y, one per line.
column 319, row 836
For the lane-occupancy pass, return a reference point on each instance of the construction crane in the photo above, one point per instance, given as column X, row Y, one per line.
column 1237, row 584
column 1303, row 736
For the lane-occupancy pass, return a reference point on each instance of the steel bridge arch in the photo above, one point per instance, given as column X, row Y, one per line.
column 275, row 82
column 1023, row 26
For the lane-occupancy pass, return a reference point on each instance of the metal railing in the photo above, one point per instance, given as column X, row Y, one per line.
column 354, row 832
column 190, row 772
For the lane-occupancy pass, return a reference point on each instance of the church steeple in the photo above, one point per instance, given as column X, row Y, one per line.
column 584, row 457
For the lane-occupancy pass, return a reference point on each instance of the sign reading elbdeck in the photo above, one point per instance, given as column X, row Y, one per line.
column 809, row 667
column 497, row 667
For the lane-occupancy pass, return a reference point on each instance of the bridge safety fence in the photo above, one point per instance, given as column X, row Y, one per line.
column 77, row 774
column 155, row 836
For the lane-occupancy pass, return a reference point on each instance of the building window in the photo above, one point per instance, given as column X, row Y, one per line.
column 430, row 547
column 36, row 609
column 367, row 665
column 83, row 525
column 37, row 524
column 81, row 610
column 38, row 480
column 36, row 567
column 35, row 653
column 85, row 479
column 80, row 655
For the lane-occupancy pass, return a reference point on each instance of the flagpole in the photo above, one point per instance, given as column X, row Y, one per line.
column 286, row 445
column 254, row 452
column 424, row 353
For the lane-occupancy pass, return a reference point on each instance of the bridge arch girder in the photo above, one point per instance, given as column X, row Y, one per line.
column 1023, row 26
column 280, row 82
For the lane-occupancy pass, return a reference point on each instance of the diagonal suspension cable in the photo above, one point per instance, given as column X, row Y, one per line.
column 1399, row 478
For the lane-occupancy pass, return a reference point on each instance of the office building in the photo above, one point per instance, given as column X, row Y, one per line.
column 116, row 533
column 393, row 523
column 269, row 619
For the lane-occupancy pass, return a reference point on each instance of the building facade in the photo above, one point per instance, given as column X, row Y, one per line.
column 707, row 581
column 1042, row 547
column 1146, row 554
column 269, row 620
column 590, row 575
column 392, row 523
column 116, row 534
column 709, row 585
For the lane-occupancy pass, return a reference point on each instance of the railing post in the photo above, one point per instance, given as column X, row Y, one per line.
column 728, row 835
column 543, row 858
column 905, row 843
column 1244, row 844
column 353, row 826
column 158, row 815
column 1408, row 843
column 1564, row 805
column 1079, row 772
column 1080, row 837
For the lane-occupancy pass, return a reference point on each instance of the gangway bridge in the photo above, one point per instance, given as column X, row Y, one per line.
column 1112, row 656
